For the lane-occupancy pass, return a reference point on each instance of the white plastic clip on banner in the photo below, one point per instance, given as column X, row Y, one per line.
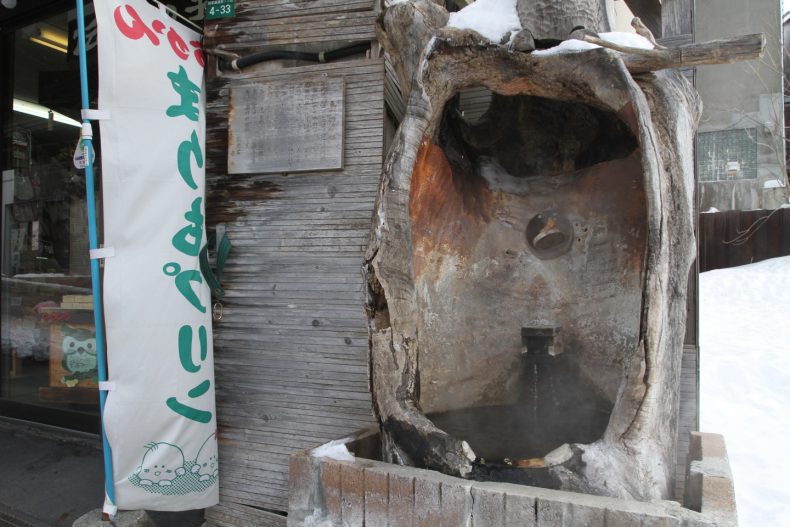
column 96, row 115
column 109, row 508
column 103, row 252
column 106, row 386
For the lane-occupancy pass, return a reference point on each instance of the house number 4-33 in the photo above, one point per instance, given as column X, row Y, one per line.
column 220, row 9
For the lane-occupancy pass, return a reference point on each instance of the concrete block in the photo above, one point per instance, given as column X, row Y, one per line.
column 401, row 502
column 568, row 511
column 710, row 445
column 302, row 486
column 520, row 511
column 376, row 497
column 352, row 511
column 122, row 519
column 582, row 514
column 456, row 503
column 709, row 485
column 718, row 500
column 427, row 502
column 550, row 513
column 488, row 507
column 380, row 494
column 330, row 483
column 617, row 518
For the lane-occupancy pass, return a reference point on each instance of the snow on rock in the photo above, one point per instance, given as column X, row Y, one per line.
column 710, row 210
column 491, row 18
column 566, row 46
column 631, row 40
column 334, row 450
column 745, row 381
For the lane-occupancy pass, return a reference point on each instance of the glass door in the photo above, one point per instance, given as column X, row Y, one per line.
column 48, row 356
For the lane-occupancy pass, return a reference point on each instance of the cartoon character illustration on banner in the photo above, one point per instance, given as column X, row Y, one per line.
column 161, row 464
column 164, row 469
column 206, row 465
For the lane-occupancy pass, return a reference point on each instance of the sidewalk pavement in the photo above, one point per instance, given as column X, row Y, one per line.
column 51, row 477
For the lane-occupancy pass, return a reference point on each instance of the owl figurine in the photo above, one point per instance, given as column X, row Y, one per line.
column 79, row 355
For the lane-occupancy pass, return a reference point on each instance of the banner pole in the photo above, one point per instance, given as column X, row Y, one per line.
column 98, row 313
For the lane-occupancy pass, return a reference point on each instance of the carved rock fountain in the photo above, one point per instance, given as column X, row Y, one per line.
column 527, row 273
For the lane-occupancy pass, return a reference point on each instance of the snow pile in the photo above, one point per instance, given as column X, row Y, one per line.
column 491, row 18
column 631, row 40
column 566, row 46
column 334, row 450
column 745, row 381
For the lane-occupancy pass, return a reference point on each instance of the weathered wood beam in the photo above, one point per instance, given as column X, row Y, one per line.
column 726, row 51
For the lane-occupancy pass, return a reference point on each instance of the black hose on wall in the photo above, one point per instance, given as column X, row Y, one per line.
column 264, row 56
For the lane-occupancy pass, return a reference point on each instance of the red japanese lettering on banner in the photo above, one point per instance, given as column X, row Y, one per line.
column 177, row 44
column 198, row 53
column 137, row 29
column 158, row 26
column 132, row 26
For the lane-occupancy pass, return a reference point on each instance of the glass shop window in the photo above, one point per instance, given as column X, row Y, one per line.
column 48, row 358
column 728, row 154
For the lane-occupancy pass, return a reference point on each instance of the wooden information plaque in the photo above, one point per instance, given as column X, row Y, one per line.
column 286, row 126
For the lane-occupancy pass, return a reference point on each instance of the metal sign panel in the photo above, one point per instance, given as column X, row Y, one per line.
column 286, row 126
column 216, row 9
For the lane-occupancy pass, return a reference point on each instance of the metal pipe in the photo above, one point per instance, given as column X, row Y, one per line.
column 98, row 313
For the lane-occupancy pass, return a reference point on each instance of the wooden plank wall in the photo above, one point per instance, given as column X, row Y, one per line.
column 474, row 102
column 720, row 231
column 291, row 350
column 293, row 24
column 688, row 420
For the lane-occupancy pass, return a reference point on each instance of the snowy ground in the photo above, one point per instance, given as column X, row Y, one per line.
column 745, row 382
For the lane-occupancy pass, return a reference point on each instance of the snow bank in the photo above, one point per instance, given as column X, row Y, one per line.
column 745, row 381
column 491, row 18
column 334, row 450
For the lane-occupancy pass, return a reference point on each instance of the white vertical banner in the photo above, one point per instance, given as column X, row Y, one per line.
column 160, row 416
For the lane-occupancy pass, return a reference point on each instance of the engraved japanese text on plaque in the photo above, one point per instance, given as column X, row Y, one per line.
column 286, row 126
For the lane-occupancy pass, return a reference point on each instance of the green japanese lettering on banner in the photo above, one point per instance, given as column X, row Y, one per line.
column 200, row 389
column 190, row 146
column 189, row 92
column 201, row 416
column 188, row 240
column 184, row 281
column 185, row 347
column 193, row 231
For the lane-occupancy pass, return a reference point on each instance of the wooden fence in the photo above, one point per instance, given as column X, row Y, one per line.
column 740, row 237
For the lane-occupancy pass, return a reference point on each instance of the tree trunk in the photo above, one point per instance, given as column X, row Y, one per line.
column 527, row 273
column 549, row 19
